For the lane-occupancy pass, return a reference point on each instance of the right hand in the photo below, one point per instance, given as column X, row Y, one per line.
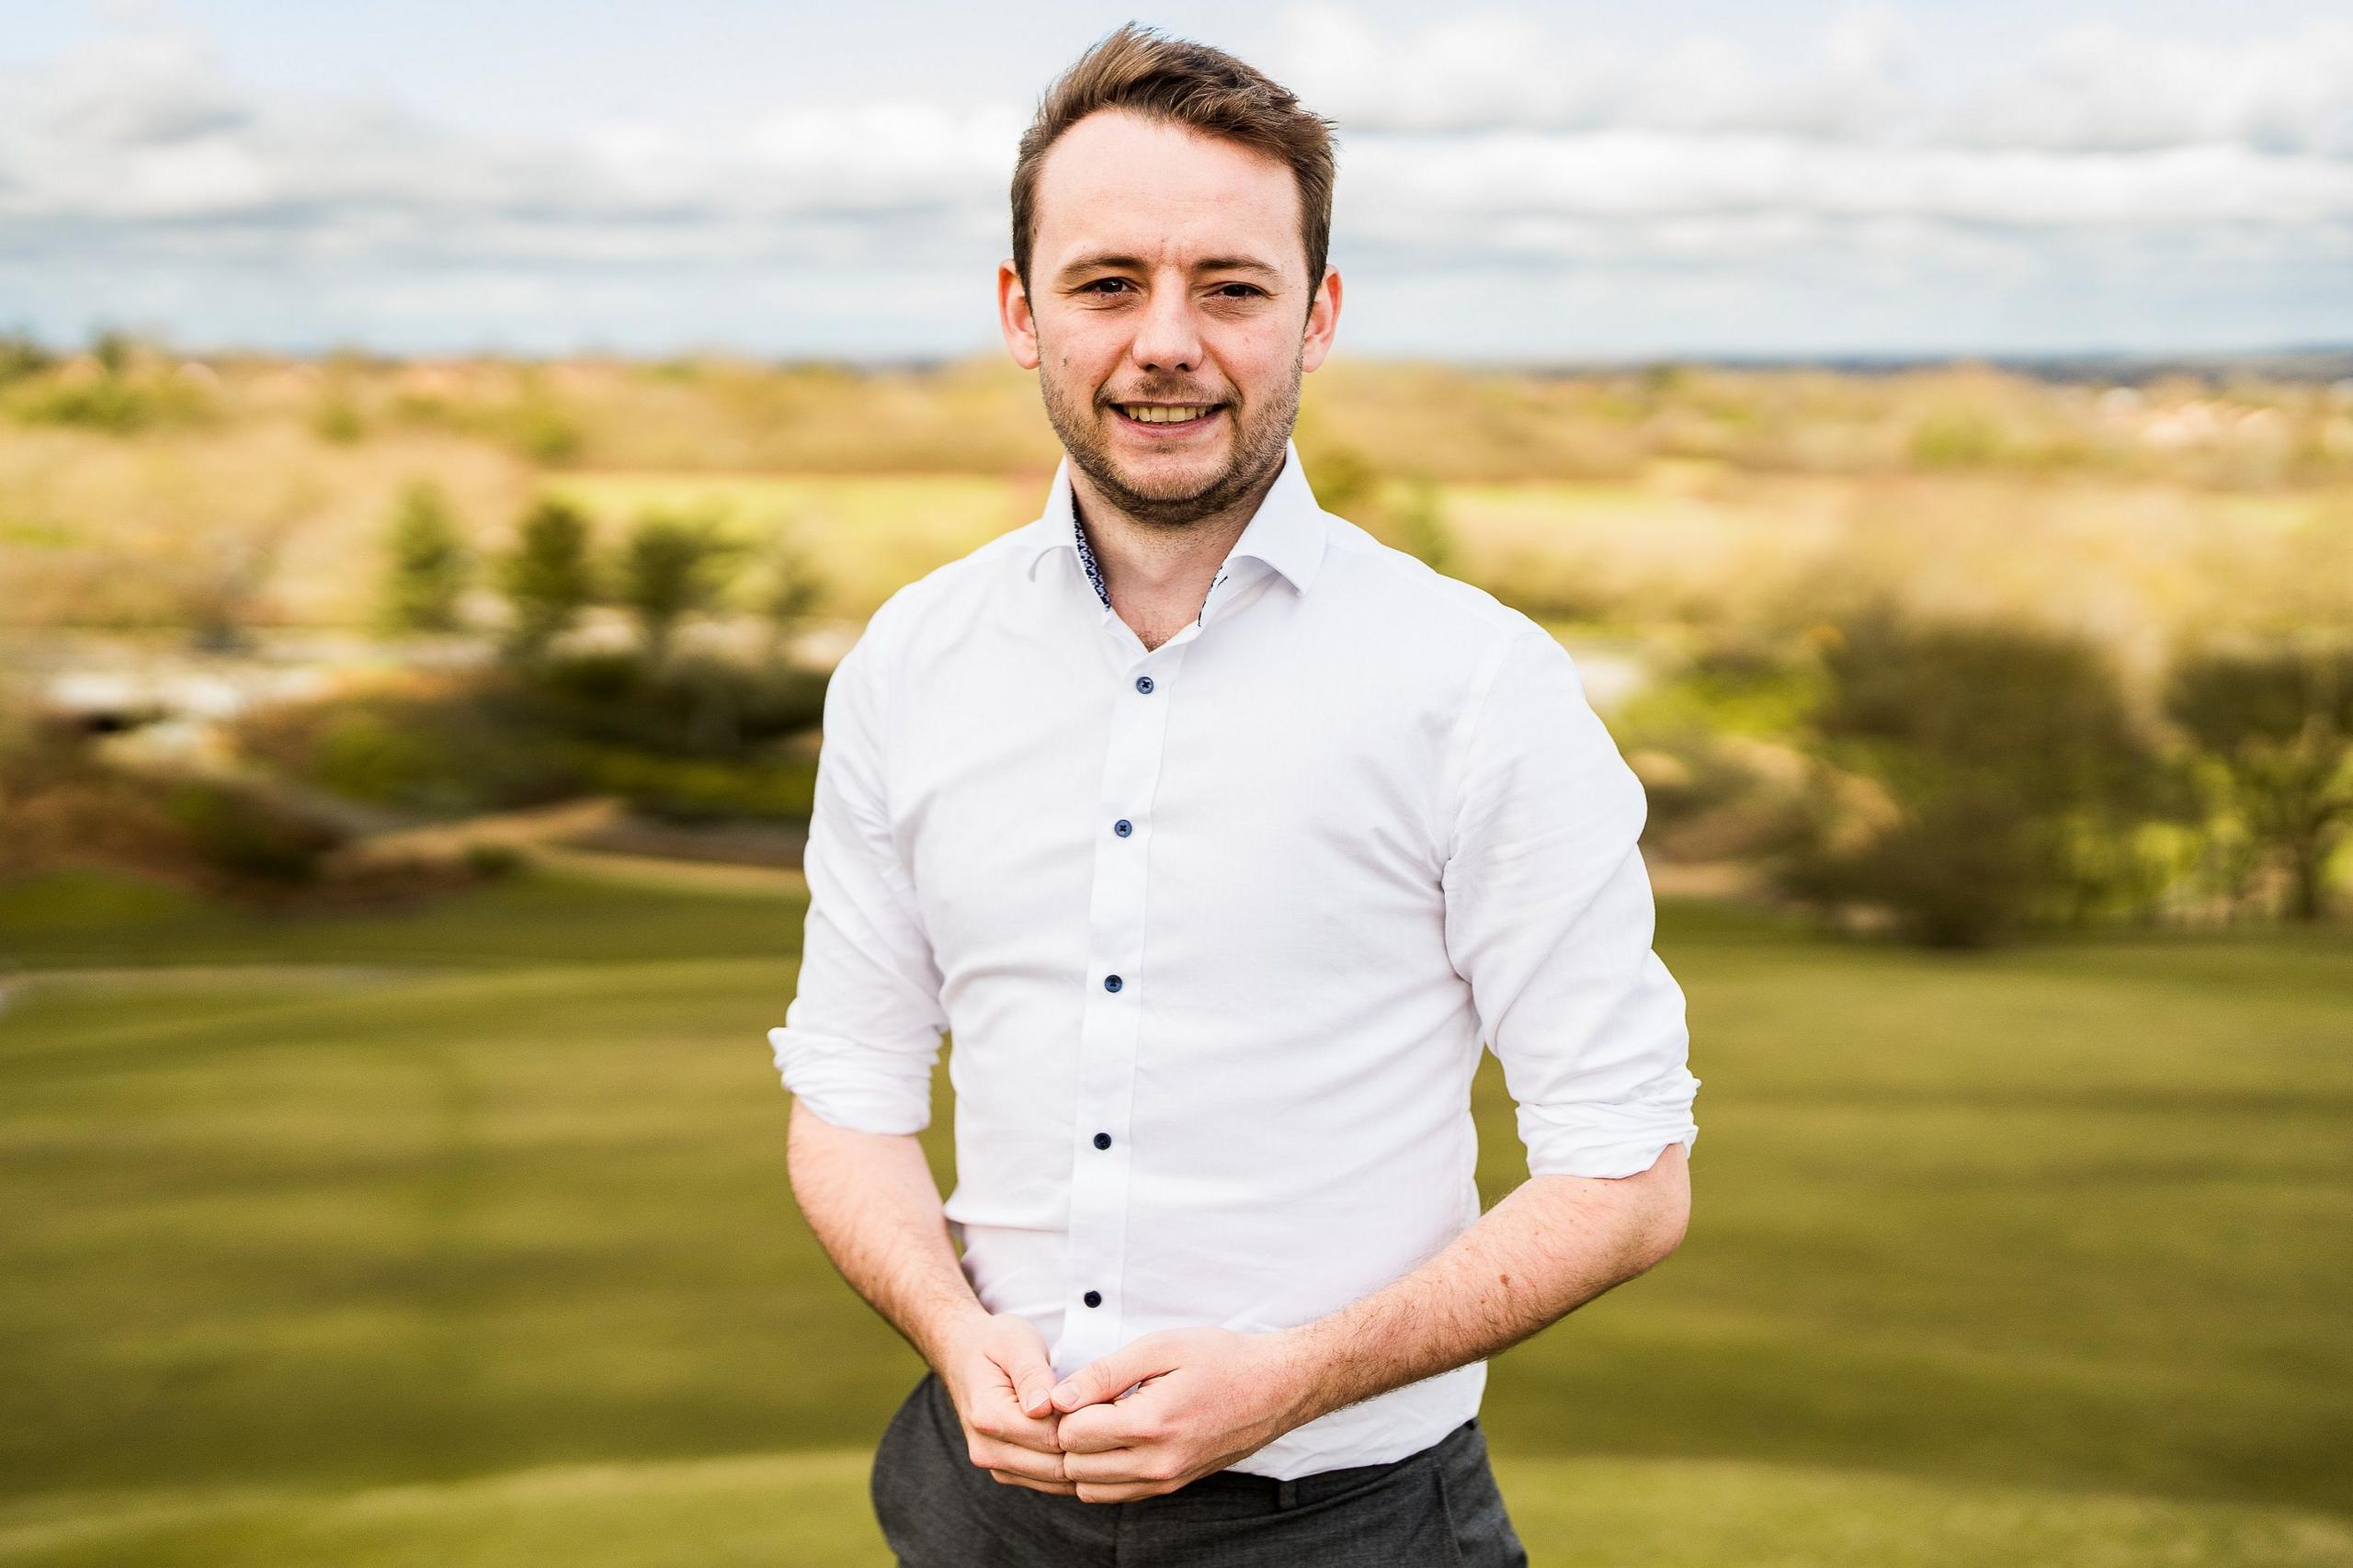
column 996, row 1370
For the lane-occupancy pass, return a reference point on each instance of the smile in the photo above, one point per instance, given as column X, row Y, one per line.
column 1172, row 418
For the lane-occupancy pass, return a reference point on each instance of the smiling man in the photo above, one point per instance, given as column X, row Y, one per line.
column 1222, row 836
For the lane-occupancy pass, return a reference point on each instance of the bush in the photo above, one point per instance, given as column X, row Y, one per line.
column 692, row 790
column 434, row 754
column 61, row 805
column 21, row 358
column 1999, row 751
column 697, row 706
column 243, row 839
column 696, row 739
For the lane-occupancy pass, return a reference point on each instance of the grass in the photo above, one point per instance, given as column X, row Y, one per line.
column 808, row 1509
column 865, row 534
column 462, row 1235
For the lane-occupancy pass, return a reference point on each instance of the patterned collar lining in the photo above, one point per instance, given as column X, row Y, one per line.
column 1087, row 559
column 1095, row 572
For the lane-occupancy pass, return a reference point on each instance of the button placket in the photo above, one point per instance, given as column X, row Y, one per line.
column 1118, row 972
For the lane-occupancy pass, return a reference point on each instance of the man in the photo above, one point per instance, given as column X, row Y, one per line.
column 1220, row 834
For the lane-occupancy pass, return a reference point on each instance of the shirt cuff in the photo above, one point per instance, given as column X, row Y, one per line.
column 1615, row 1140
column 852, row 1085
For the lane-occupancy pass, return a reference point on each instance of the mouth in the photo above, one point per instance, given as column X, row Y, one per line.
column 1167, row 419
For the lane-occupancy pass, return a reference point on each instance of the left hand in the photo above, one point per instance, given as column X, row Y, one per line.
column 1209, row 1396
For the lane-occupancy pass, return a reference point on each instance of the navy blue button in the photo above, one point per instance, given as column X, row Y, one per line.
column 1093, row 1297
column 1143, row 683
column 1124, row 827
column 1102, row 1139
column 1111, row 983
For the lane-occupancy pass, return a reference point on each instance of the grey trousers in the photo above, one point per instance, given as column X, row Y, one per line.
column 1439, row 1508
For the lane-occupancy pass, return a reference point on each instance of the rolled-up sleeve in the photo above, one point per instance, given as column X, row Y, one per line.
column 862, row 1033
column 1550, row 918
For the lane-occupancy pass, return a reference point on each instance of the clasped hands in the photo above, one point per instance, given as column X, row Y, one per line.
column 1160, row 1412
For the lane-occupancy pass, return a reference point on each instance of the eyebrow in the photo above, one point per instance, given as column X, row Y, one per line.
column 1108, row 262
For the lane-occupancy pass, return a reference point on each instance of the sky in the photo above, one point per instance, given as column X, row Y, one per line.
column 1558, row 182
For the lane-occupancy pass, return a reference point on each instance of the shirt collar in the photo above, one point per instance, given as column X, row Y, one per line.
column 1287, row 531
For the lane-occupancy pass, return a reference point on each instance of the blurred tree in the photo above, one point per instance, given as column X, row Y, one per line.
column 669, row 570
column 430, row 563
column 219, row 574
column 1996, row 750
column 337, row 420
column 113, row 351
column 546, row 579
column 793, row 590
column 2278, row 725
column 21, row 356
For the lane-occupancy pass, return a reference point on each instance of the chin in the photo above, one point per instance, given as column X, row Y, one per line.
column 1172, row 475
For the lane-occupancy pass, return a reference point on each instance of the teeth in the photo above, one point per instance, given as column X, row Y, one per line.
column 1165, row 413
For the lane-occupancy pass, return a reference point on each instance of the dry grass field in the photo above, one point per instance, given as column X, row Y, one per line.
column 164, row 491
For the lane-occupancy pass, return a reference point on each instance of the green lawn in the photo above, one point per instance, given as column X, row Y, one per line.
column 461, row 1236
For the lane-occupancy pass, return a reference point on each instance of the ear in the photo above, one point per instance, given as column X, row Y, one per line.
column 1323, row 320
column 1013, row 317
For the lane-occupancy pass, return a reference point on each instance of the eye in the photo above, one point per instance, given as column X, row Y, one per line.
column 1247, row 290
column 1103, row 286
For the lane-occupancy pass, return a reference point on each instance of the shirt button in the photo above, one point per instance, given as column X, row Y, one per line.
column 1102, row 1139
column 1143, row 683
column 1124, row 827
column 1093, row 1297
column 1113, row 983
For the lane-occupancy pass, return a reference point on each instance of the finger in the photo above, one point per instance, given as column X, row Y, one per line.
column 1121, row 1492
column 1029, row 1375
column 1114, row 1374
column 986, row 1454
column 1030, row 1379
column 1057, row 1488
column 995, row 1414
column 1098, row 1429
column 1114, row 1467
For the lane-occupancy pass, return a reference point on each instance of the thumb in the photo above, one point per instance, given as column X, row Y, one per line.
column 1111, row 1375
column 1032, row 1377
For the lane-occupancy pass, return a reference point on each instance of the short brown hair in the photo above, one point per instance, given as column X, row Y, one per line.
column 1139, row 70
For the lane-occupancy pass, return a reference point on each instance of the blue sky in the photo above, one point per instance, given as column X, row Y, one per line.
column 1553, row 182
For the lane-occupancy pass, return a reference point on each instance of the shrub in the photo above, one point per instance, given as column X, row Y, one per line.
column 436, row 752
column 1998, row 749
column 700, row 737
column 21, row 358
column 242, row 838
column 691, row 706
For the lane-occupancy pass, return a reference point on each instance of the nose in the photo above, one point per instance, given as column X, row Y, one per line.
column 1166, row 335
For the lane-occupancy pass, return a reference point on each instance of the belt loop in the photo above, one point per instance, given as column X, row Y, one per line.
column 1286, row 1495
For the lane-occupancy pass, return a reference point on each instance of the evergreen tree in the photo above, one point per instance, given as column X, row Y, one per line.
column 547, row 579
column 669, row 570
column 430, row 563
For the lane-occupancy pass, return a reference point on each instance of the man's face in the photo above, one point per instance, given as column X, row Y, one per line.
column 1169, row 313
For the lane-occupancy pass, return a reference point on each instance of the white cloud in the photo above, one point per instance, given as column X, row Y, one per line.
column 2099, row 88
column 139, row 174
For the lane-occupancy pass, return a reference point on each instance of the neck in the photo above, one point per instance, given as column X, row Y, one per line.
column 1157, row 573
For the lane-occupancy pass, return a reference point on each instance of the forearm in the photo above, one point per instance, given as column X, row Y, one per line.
column 1551, row 1246
column 875, row 1209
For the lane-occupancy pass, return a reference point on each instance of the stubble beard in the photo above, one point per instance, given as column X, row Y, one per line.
column 1259, row 447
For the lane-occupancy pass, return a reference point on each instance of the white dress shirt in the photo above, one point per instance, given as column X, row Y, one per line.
column 1219, row 929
